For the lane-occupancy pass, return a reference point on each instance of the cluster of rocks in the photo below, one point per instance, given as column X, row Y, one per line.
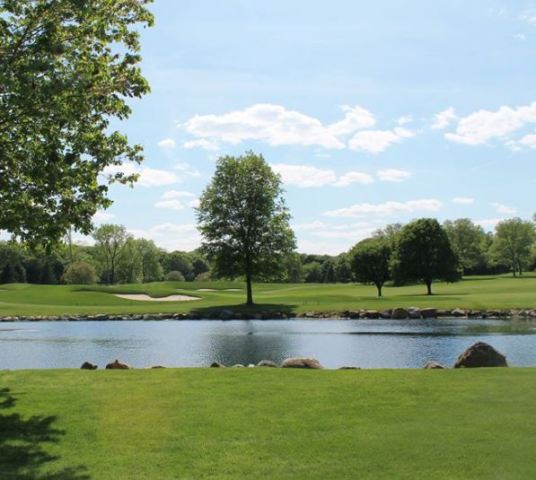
column 477, row 355
column 394, row 313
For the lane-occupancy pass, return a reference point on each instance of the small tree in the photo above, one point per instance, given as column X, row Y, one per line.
column 80, row 273
column 424, row 253
column 512, row 243
column 468, row 241
column 244, row 221
column 370, row 260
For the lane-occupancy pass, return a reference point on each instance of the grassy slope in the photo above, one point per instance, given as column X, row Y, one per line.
column 473, row 292
column 264, row 423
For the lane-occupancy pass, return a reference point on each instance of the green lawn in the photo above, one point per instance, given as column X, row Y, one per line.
column 267, row 424
column 473, row 292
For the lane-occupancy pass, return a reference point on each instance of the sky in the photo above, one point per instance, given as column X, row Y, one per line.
column 372, row 112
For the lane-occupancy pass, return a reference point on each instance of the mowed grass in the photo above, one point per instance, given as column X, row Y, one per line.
column 268, row 424
column 479, row 292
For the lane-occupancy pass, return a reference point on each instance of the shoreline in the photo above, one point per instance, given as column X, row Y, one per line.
column 399, row 313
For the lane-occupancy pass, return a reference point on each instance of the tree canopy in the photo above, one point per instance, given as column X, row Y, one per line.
column 371, row 261
column 244, row 221
column 67, row 68
column 512, row 243
column 424, row 253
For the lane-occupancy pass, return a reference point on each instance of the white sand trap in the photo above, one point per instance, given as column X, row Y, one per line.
column 233, row 289
column 206, row 289
column 146, row 298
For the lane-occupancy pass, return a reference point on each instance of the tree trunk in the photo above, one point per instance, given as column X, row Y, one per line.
column 379, row 287
column 249, row 290
column 429, row 286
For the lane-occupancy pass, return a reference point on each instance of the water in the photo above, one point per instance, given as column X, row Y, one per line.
column 364, row 343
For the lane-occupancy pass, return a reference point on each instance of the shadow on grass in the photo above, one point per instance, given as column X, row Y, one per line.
column 242, row 308
column 23, row 455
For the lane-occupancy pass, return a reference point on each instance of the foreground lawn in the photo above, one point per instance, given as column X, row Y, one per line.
column 484, row 292
column 267, row 423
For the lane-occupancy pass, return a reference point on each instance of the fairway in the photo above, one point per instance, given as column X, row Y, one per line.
column 268, row 423
column 483, row 292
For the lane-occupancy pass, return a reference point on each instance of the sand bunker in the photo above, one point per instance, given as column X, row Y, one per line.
column 233, row 289
column 146, row 298
column 206, row 289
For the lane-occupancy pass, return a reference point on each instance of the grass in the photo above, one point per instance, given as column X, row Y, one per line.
column 267, row 424
column 482, row 292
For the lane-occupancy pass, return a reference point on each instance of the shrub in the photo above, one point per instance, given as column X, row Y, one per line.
column 175, row 276
column 80, row 273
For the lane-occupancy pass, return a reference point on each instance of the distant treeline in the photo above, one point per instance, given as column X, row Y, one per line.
column 118, row 257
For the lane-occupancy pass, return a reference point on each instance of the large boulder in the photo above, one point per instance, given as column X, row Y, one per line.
column 117, row 365
column 458, row 312
column 480, row 354
column 429, row 312
column 301, row 362
column 88, row 366
column 266, row 363
column 431, row 365
column 217, row 365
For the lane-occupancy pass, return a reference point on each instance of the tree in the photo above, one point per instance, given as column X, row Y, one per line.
column 424, row 253
column 328, row 271
column 181, row 262
column 512, row 243
column 244, row 221
column 371, row 261
column 468, row 241
column 109, row 243
column 11, row 263
column 80, row 273
column 312, row 272
column 67, row 69
column 128, row 267
column 343, row 269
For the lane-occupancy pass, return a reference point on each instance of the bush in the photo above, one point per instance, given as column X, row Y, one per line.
column 80, row 273
column 175, row 276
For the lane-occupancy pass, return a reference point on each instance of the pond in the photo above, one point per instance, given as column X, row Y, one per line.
column 363, row 343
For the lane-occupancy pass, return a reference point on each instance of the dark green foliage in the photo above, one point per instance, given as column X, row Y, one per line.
column 328, row 272
column 343, row 269
column 174, row 276
column 11, row 264
column 313, row 272
column 67, row 68
column 371, row 261
column 181, row 262
column 80, row 273
column 424, row 253
column 244, row 221
column 513, row 244
column 469, row 242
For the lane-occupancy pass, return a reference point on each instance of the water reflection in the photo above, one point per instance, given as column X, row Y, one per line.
column 365, row 343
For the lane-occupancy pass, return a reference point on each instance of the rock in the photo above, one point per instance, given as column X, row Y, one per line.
column 217, row 365
column 156, row 366
column 349, row 367
column 385, row 314
column 431, row 365
column 88, row 366
column 266, row 363
column 238, row 365
column 251, row 365
column 480, row 354
column 301, row 362
column 399, row 313
column 429, row 312
column 414, row 312
column 117, row 365
column 372, row 314
column 458, row 312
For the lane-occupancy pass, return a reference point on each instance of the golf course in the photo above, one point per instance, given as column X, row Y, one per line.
column 478, row 292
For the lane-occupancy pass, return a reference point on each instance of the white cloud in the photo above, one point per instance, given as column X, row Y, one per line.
column 355, row 118
column 201, row 143
column 529, row 16
column 404, row 120
column 308, row 176
column 311, row 226
column 148, row 177
column 273, row 124
column 186, row 169
column 171, row 236
column 376, row 141
column 521, row 37
column 444, row 119
column 167, row 144
column 386, row 208
column 463, row 200
column 489, row 223
column 393, row 175
column 102, row 216
column 528, row 140
column 482, row 126
column 500, row 208
column 171, row 200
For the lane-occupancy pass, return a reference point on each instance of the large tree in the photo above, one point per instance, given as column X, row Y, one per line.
column 67, row 69
column 468, row 241
column 512, row 244
column 110, row 241
column 244, row 221
column 424, row 253
column 371, row 261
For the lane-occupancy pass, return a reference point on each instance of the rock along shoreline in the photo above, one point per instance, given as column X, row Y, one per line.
column 228, row 314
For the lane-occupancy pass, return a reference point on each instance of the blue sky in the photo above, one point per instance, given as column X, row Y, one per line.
column 373, row 113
